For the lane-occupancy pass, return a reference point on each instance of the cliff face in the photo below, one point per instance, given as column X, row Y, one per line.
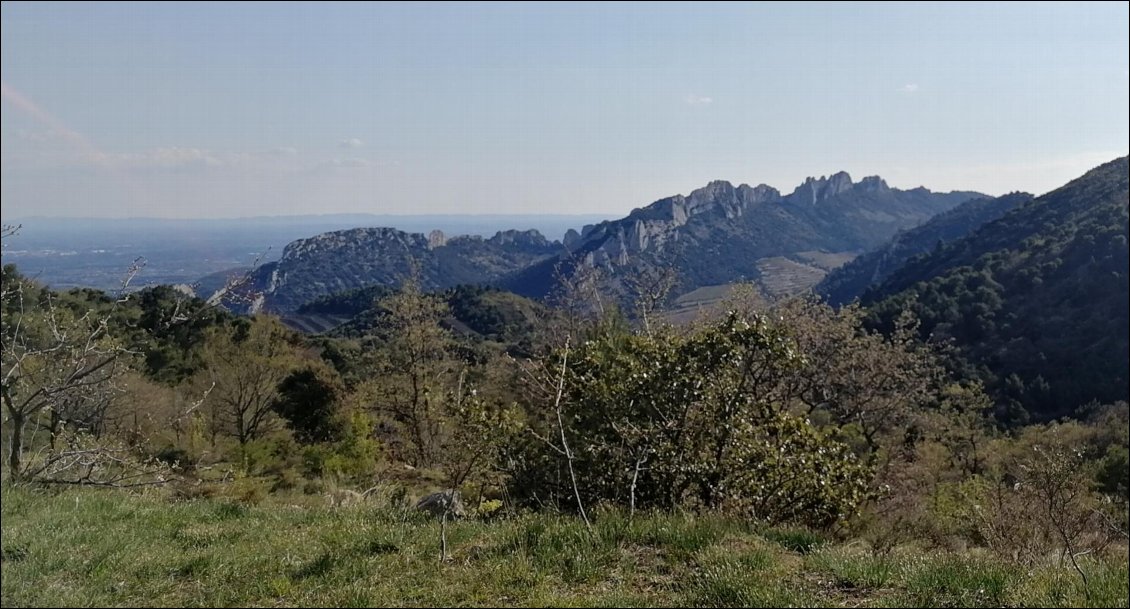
column 342, row 260
column 717, row 234
column 721, row 233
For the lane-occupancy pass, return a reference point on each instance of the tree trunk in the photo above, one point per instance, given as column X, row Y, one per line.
column 17, row 446
column 55, row 419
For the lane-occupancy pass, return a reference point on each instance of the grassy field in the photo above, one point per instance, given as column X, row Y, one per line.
column 87, row 547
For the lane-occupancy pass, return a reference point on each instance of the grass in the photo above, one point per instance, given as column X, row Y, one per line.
column 86, row 547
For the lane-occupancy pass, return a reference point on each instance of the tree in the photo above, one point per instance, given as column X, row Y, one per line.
column 58, row 365
column 245, row 367
column 869, row 382
column 438, row 416
column 416, row 371
column 308, row 401
column 1041, row 498
column 649, row 290
column 170, row 329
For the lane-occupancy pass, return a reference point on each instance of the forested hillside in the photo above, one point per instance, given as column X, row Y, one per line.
column 850, row 281
column 1036, row 302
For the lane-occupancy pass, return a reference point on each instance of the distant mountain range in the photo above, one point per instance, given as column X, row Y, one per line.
column 717, row 235
column 721, row 234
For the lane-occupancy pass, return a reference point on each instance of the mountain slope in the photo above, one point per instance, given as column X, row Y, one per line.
column 721, row 234
column 851, row 280
column 475, row 311
column 1036, row 301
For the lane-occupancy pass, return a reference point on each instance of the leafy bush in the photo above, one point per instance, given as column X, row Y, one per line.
column 698, row 420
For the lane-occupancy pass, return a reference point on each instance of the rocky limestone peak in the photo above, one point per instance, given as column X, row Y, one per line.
column 815, row 190
column 571, row 238
column 436, row 239
column 718, row 196
column 762, row 193
column 711, row 193
column 351, row 238
column 529, row 237
column 873, row 184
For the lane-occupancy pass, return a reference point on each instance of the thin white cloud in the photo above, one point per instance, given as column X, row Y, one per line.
column 351, row 143
column 909, row 88
column 41, row 136
column 162, row 159
column 699, row 100
column 286, row 151
column 353, row 163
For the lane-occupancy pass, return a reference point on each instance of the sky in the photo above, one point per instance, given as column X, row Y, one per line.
column 231, row 110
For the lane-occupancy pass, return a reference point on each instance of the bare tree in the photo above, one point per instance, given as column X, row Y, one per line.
column 62, row 373
column 55, row 363
column 577, row 298
column 864, row 379
column 416, row 370
column 554, row 386
column 245, row 372
column 649, row 290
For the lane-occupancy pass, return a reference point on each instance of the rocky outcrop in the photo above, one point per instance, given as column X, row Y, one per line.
column 717, row 233
column 443, row 503
column 814, row 190
column 520, row 238
column 572, row 237
column 343, row 260
column 873, row 184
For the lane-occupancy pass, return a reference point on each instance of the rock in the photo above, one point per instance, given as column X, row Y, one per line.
column 815, row 190
column 337, row 261
column 444, row 501
column 874, row 184
column 572, row 237
column 521, row 238
column 436, row 239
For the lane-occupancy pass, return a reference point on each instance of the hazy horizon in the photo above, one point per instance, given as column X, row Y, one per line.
column 240, row 110
column 313, row 215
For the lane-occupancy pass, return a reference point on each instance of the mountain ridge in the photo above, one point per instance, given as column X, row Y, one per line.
column 757, row 227
column 759, row 222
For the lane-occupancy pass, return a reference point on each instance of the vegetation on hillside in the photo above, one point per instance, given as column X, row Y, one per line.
column 1036, row 302
column 850, row 281
column 772, row 455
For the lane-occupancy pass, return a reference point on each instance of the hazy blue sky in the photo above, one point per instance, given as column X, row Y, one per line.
column 220, row 110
